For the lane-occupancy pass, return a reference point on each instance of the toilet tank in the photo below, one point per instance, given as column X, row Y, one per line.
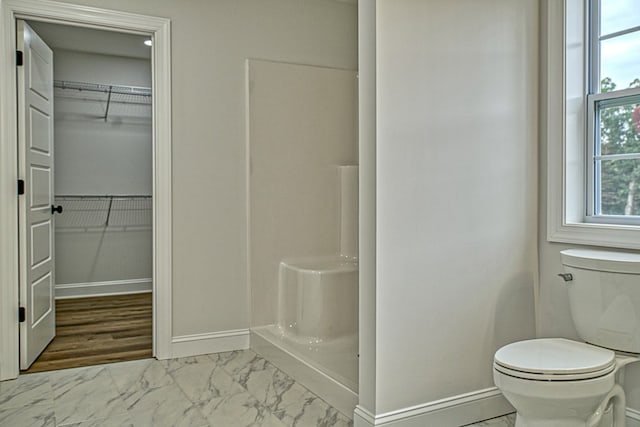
column 604, row 296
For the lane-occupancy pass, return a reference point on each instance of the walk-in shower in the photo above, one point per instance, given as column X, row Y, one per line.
column 316, row 336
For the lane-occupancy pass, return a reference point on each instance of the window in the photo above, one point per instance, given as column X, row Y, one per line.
column 613, row 112
column 588, row 125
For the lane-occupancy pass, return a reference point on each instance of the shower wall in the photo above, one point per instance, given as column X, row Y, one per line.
column 102, row 245
column 302, row 124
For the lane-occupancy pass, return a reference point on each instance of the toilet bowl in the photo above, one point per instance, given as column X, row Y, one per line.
column 559, row 382
column 565, row 383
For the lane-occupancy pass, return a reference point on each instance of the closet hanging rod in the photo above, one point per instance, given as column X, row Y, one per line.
column 103, row 88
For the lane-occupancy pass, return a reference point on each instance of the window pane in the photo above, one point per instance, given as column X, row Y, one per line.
column 619, row 129
column 618, row 15
column 619, row 182
column 620, row 61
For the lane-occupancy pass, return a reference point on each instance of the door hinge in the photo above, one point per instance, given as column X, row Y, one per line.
column 20, row 186
column 19, row 58
column 22, row 314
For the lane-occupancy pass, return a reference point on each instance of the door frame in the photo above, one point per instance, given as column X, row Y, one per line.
column 103, row 19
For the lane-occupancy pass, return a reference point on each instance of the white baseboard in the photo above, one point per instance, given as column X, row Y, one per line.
column 453, row 412
column 450, row 412
column 363, row 418
column 217, row 342
column 97, row 289
column 633, row 418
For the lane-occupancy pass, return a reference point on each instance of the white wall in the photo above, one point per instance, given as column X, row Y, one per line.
column 456, row 193
column 302, row 124
column 210, row 42
column 98, row 157
column 94, row 156
column 108, row 69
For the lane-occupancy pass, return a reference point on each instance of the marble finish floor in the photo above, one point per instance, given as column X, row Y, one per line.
column 506, row 421
column 231, row 389
column 234, row 389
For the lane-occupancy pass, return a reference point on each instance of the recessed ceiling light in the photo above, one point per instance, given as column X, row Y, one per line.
column 148, row 42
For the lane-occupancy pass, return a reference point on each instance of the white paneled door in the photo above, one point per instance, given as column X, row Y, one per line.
column 35, row 169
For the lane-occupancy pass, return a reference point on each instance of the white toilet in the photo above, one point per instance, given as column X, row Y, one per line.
column 564, row 383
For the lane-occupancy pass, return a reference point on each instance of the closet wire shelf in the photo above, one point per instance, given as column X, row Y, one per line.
column 103, row 93
column 85, row 211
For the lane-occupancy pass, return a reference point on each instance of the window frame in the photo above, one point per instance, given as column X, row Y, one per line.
column 564, row 47
column 595, row 101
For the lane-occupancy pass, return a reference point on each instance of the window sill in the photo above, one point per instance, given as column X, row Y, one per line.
column 609, row 235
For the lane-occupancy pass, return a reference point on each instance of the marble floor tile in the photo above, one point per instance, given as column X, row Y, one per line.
column 342, row 421
column 84, row 394
column 308, row 410
column 117, row 421
column 233, row 389
column 28, row 416
column 151, row 395
column 267, row 383
column 241, row 410
column 146, row 385
column 30, row 389
column 506, row 421
column 291, row 403
column 235, row 361
column 140, row 399
column 201, row 379
column 140, row 375
column 170, row 414
column 171, row 365
column 288, row 399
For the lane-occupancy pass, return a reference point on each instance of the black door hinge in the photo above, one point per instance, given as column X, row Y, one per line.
column 22, row 314
column 19, row 58
column 20, row 186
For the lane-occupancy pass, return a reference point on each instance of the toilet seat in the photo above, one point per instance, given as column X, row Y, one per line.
column 554, row 359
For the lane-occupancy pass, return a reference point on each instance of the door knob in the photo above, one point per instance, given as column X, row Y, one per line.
column 55, row 209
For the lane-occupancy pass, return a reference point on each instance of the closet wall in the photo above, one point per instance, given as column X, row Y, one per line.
column 103, row 176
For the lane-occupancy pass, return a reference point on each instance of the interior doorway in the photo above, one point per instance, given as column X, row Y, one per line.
column 109, row 20
column 100, row 249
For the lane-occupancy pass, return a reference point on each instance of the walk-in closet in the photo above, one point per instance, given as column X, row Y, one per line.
column 102, row 197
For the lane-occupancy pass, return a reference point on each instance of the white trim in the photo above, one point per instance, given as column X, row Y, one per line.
column 110, row 20
column 216, row 342
column 98, row 289
column 565, row 215
column 633, row 418
column 247, row 193
column 458, row 410
column 363, row 418
column 367, row 222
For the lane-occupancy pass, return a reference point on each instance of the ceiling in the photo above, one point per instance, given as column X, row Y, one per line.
column 93, row 41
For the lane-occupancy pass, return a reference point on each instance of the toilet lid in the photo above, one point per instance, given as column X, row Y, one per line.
column 554, row 359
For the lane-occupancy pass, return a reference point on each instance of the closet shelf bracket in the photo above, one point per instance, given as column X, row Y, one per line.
column 106, row 112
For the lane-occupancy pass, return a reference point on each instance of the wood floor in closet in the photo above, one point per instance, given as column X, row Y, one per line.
column 97, row 330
